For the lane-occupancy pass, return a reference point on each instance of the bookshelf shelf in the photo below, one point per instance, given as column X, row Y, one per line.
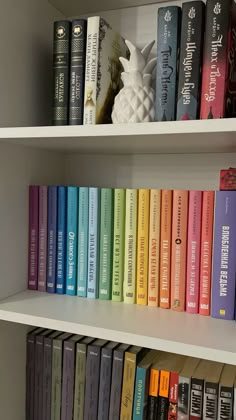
column 158, row 329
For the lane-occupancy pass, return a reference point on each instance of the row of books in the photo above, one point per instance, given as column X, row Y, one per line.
column 149, row 247
column 75, row 378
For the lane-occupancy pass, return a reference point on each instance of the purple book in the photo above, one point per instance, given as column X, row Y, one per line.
column 33, row 237
column 224, row 256
column 52, row 239
column 42, row 258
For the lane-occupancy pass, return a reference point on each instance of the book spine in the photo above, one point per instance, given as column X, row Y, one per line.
column 56, row 380
column 105, row 384
column 193, row 251
column 47, row 377
column 206, row 252
column 140, row 393
column 154, row 247
column 130, row 246
column 142, row 246
column 30, row 385
column 52, row 239
column 226, row 402
column 196, row 403
column 93, row 243
column 42, row 259
column 61, row 240
column 77, row 71
column 80, row 372
column 33, row 237
column 92, row 382
column 118, row 245
column 72, row 238
column 210, row 404
column 173, row 396
column 163, row 400
column 116, row 385
column 61, row 62
column 106, row 242
column 184, row 398
column 82, row 269
column 215, row 59
column 165, row 248
column 38, row 391
column 231, row 83
column 224, row 249
column 153, row 394
column 167, row 57
column 179, row 250
column 68, row 381
column 126, row 408
column 91, row 70
column 190, row 63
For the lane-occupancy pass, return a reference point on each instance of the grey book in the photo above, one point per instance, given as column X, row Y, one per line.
column 211, row 390
column 116, row 381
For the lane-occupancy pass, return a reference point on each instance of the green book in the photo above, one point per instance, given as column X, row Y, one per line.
column 118, row 245
column 106, row 243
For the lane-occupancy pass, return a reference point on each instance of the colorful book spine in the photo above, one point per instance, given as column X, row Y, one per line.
column 165, row 248
column 42, row 259
column 169, row 19
column 82, row 269
column 140, row 408
column 224, row 249
column 131, row 203
column 105, row 381
column 153, row 394
column 118, row 245
column 142, row 246
column 116, row 381
column 33, row 237
column 193, row 251
column 77, row 70
column 93, row 243
column 179, row 249
column 196, row 399
column 190, row 63
column 173, row 396
column 154, row 247
column 61, row 240
column 61, row 62
column 106, row 242
column 215, row 59
column 206, row 252
column 52, row 239
column 72, row 238
column 163, row 399
column 231, row 83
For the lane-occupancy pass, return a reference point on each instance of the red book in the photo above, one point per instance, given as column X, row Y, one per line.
column 228, row 179
column 33, row 237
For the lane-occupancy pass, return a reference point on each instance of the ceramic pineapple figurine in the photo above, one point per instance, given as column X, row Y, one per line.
column 136, row 100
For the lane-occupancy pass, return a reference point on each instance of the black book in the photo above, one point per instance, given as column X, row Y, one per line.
column 77, row 71
column 61, row 63
column 116, row 381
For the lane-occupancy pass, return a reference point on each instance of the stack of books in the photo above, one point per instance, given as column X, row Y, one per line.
column 150, row 247
column 74, row 377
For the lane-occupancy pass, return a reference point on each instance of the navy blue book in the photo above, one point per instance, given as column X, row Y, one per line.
column 61, row 240
column 52, row 239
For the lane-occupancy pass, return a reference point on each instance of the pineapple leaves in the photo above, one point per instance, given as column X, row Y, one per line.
column 137, row 61
column 148, row 69
column 147, row 49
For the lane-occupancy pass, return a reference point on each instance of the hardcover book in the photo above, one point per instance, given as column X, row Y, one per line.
column 197, row 391
column 72, row 238
column 184, row 389
column 130, row 246
column 226, row 392
column 61, row 62
column 52, row 239
column 118, row 245
column 211, row 390
column 116, row 381
column 103, row 69
column 154, row 247
column 169, row 19
column 77, row 71
column 42, row 258
column 231, row 81
column 228, row 179
column 82, row 269
column 165, row 248
column 33, row 237
column 142, row 246
column 190, row 63
column 93, row 243
column 61, row 240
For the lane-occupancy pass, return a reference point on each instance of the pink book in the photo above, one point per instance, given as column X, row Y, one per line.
column 33, row 237
column 193, row 253
column 42, row 258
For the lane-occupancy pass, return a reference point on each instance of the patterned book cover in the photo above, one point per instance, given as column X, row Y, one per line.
column 184, row 388
column 118, row 245
column 116, row 381
column 142, row 246
column 179, row 249
column 193, row 251
column 72, row 238
column 52, row 239
column 228, row 179
column 211, row 390
column 169, row 19
column 93, row 242
column 33, row 237
column 103, row 69
column 224, row 249
column 231, row 82
column 190, row 63
column 61, row 240
column 77, row 71
column 106, row 244
column 206, row 252
column 154, row 247
column 165, row 248
column 131, row 203
column 61, row 62
column 82, row 259
column 42, row 258
column 226, row 392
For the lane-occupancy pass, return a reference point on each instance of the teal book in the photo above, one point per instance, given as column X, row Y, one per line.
column 106, row 244
column 82, row 267
column 93, row 243
column 72, row 236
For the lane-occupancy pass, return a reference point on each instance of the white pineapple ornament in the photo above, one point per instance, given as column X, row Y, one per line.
column 135, row 102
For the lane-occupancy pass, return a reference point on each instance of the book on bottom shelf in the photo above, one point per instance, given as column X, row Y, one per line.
column 226, row 393
column 116, row 381
column 184, row 389
column 211, row 390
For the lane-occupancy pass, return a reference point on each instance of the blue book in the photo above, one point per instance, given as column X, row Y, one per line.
column 82, row 268
column 61, row 241
column 93, row 242
column 52, row 239
column 72, row 237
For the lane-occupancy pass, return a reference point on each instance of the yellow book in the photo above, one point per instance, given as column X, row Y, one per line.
column 142, row 247
column 154, row 247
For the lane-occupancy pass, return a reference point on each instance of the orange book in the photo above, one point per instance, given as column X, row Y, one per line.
column 142, row 247
column 154, row 247
column 179, row 249
column 165, row 248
